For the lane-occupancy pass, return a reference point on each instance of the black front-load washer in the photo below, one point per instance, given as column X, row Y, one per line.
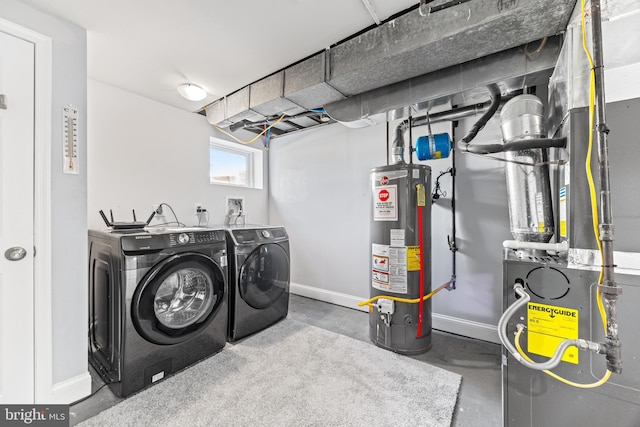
column 259, row 272
column 157, row 302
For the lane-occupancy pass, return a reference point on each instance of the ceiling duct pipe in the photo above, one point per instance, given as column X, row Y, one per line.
column 457, row 84
column 460, row 46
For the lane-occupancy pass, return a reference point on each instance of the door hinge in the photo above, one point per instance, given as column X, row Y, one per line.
column 3, row 105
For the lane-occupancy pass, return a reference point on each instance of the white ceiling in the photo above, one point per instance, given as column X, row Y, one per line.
column 149, row 47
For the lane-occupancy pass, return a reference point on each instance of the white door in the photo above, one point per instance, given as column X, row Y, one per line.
column 16, row 220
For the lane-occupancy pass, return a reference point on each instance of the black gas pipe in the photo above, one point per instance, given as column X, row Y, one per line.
column 609, row 289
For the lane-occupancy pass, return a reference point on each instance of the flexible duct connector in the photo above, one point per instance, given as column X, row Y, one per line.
column 502, row 332
column 397, row 148
column 555, row 247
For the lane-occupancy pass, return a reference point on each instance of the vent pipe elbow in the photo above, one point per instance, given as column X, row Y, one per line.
column 496, row 99
column 397, row 148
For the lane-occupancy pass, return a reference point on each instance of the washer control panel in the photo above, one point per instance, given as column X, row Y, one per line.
column 259, row 235
column 153, row 241
column 196, row 237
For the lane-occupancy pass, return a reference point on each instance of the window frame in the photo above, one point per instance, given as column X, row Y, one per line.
column 254, row 162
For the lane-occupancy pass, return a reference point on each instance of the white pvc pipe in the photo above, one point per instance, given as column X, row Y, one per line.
column 556, row 247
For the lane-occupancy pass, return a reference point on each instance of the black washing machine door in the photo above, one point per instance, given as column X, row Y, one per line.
column 264, row 276
column 177, row 298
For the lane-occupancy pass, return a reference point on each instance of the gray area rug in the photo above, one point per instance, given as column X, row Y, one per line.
column 294, row 374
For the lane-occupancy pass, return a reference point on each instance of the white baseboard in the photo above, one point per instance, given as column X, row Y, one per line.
column 72, row 389
column 467, row 328
column 328, row 296
column 441, row 322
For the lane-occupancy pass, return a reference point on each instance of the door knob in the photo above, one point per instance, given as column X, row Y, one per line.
column 15, row 253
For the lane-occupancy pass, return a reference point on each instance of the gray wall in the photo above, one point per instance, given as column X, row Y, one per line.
column 624, row 153
column 142, row 153
column 320, row 191
column 68, row 192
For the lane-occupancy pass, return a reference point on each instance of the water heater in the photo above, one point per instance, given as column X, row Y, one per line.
column 401, row 257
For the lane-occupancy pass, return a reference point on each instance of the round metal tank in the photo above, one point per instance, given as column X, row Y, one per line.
column 528, row 186
column 395, row 256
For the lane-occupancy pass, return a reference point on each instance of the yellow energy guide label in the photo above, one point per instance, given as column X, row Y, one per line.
column 413, row 258
column 548, row 326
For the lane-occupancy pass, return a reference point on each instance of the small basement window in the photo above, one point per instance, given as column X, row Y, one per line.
column 234, row 164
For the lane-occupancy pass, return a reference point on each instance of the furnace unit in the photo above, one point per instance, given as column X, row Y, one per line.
column 562, row 363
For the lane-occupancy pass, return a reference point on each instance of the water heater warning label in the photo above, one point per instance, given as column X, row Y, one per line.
column 385, row 203
column 389, row 268
column 548, row 326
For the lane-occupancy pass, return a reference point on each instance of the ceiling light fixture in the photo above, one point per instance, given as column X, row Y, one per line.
column 192, row 92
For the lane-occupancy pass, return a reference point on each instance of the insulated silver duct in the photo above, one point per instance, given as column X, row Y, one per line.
column 408, row 59
column 528, row 186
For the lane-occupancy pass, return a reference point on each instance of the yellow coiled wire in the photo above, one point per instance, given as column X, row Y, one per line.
column 251, row 141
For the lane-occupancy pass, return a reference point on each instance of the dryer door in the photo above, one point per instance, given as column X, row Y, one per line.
column 264, row 276
column 177, row 298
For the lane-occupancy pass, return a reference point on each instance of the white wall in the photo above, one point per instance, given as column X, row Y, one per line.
column 482, row 224
column 142, row 153
column 320, row 192
column 68, row 192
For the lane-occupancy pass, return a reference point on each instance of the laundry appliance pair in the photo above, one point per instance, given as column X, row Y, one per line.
column 162, row 299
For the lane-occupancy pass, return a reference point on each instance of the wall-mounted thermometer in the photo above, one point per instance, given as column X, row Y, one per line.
column 70, row 139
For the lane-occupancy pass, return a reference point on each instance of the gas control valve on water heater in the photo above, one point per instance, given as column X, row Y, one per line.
column 401, row 257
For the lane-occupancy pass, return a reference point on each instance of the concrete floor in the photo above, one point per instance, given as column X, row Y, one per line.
column 479, row 401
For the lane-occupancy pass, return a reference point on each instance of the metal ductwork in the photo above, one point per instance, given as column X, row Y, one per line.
column 406, row 60
column 462, row 84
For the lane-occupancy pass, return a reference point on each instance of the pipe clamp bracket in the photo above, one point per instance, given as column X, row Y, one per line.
column 610, row 289
column 602, row 127
column 606, row 232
